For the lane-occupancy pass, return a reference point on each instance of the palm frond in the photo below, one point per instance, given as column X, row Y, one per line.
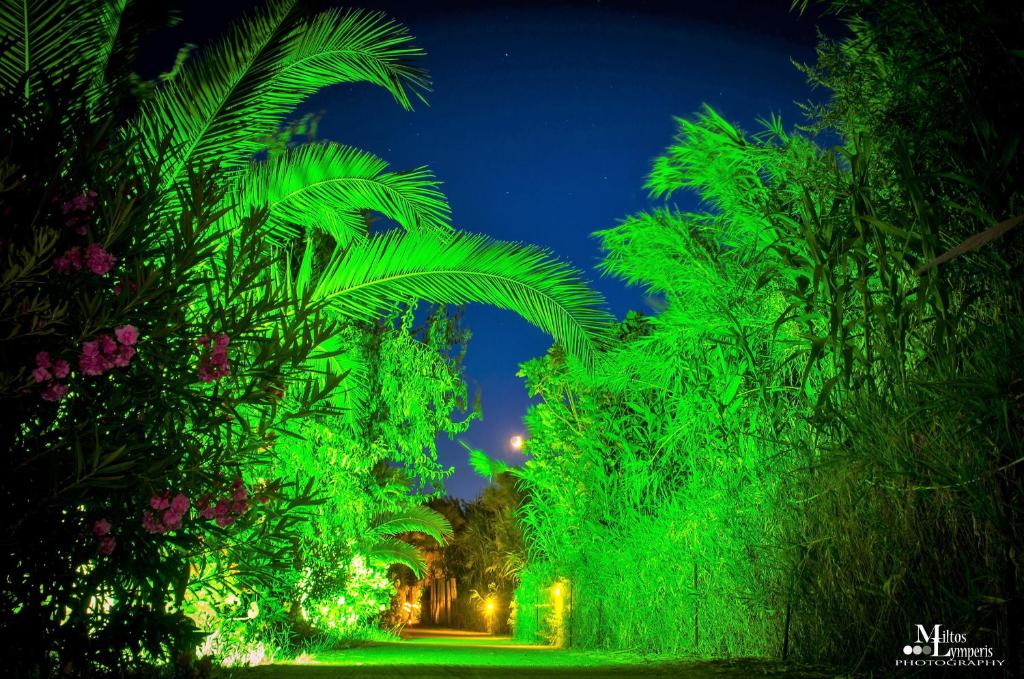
column 421, row 519
column 218, row 107
column 369, row 277
column 109, row 19
column 340, row 46
column 329, row 186
column 55, row 39
column 483, row 464
column 232, row 97
column 391, row 551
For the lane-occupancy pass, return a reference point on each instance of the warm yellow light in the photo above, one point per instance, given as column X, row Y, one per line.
column 558, row 590
column 516, row 442
column 490, row 605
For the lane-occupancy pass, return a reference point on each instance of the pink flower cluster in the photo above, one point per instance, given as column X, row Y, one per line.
column 130, row 284
column 168, row 512
column 226, row 510
column 105, row 352
column 77, row 211
column 48, row 371
column 105, row 542
column 93, row 257
column 213, row 364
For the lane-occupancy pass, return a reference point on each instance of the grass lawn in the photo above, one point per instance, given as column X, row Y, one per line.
column 450, row 654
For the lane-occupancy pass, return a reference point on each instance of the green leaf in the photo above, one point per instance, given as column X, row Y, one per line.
column 371, row 276
column 54, row 39
column 420, row 519
column 392, row 551
column 330, row 186
column 232, row 97
column 484, row 465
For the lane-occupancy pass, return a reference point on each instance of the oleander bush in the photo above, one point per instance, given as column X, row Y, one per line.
column 219, row 413
column 140, row 352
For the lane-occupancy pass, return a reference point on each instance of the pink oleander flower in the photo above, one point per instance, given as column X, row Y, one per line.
column 55, row 392
column 172, row 520
column 226, row 520
column 81, row 203
column 215, row 365
column 105, row 352
column 98, row 260
column 69, row 261
column 123, row 356
column 91, row 364
column 119, row 287
column 127, row 335
column 108, row 345
column 48, row 371
column 107, row 543
column 151, row 523
column 205, row 507
column 169, row 512
column 180, row 504
column 239, row 506
column 61, row 368
column 100, row 527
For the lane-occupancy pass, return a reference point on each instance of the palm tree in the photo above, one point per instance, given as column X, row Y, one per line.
column 381, row 543
column 224, row 104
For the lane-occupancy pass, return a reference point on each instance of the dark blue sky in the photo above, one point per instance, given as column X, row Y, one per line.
column 543, row 123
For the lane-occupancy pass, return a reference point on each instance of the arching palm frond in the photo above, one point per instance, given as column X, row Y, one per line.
column 339, row 46
column 55, row 39
column 420, row 519
column 232, row 97
column 483, row 464
column 109, row 18
column 390, row 551
column 329, row 186
column 125, row 25
column 217, row 108
column 382, row 546
column 369, row 277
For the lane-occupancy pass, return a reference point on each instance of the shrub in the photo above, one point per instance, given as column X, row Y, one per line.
column 139, row 346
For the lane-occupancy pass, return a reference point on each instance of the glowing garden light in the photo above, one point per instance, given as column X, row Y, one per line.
column 516, row 442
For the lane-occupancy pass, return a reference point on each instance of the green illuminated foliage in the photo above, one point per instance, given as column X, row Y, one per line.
column 89, row 584
column 767, row 465
column 362, row 280
column 235, row 94
column 286, row 493
column 486, row 553
column 331, row 187
column 63, row 40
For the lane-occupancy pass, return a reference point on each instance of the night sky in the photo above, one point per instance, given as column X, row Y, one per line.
column 542, row 124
